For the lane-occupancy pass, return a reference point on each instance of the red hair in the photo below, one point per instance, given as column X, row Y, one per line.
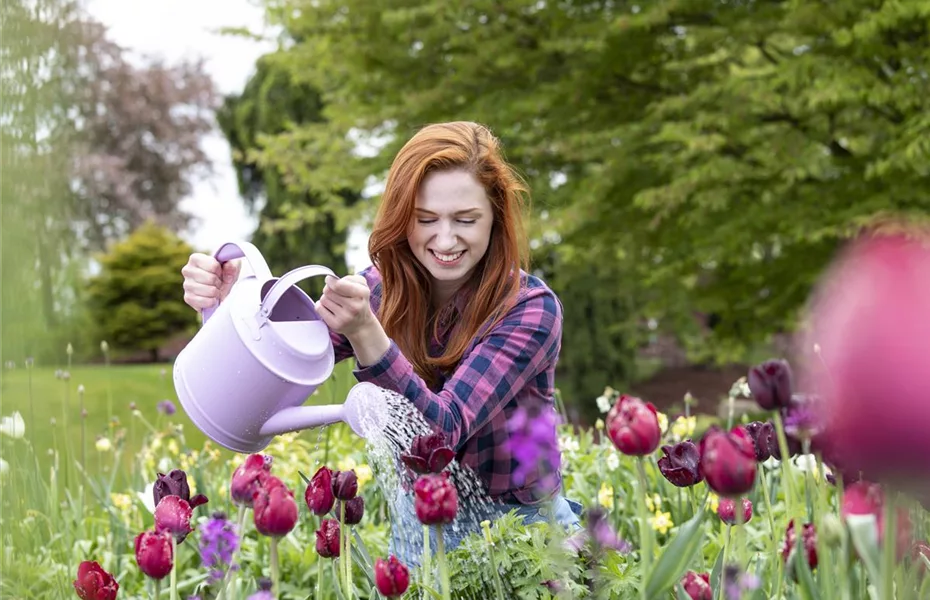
column 405, row 312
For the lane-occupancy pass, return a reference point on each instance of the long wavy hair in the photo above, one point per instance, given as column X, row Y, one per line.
column 406, row 311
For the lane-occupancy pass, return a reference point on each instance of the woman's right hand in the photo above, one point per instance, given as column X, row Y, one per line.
column 206, row 281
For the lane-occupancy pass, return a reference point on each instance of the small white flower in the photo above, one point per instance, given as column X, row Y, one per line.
column 603, row 404
column 104, row 444
column 147, row 497
column 568, row 444
column 164, row 465
column 13, row 426
column 613, row 461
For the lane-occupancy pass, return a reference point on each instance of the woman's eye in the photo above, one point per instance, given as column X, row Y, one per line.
column 425, row 221
column 467, row 221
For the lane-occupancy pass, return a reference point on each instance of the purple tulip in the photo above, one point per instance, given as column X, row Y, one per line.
column 764, row 439
column 354, row 510
column 175, row 484
column 809, row 543
column 770, row 384
column 681, row 464
column 428, row 454
column 345, row 485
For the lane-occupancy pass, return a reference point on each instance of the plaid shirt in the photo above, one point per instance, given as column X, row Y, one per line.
column 513, row 365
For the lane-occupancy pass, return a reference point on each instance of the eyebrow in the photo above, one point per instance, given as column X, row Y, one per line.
column 458, row 213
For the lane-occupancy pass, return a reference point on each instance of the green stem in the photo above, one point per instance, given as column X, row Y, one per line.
column 426, row 568
column 645, row 533
column 723, row 563
column 157, row 588
column 349, row 586
column 443, row 564
column 773, row 538
column 275, row 571
column 319, row 576
column 889, row 548
column 174, row 569
column 342, row 550
column 497, row 576
column 786, row 473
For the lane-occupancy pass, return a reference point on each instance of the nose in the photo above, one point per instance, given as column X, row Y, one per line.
column 445, row 238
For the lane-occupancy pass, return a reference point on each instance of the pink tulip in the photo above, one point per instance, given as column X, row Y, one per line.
column 173, row 514
column 93, row 583
column 726, row 510
column 275, row 508
column 319, row 494
column 435, row 501
column 327, row 539
column 728, row 461
column 633, row 426
column 248, row 477
column 391, row 577
column 697, row 586
column 865, row 498
column 153, row 553
column 808, row 543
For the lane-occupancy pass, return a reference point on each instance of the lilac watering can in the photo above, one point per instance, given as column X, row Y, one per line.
column 260, row 354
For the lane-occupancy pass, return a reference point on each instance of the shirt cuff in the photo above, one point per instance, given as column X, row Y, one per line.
column 379, row 372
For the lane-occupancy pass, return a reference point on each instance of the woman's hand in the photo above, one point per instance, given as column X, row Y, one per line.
column 206, row 281
column 345, row 305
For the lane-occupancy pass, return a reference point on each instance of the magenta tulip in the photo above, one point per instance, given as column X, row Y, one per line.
column 327, row 539
column 809, row 543
column 274, row 507
column 391, row 577
column 726, row 510
column 428, row 454
column 436, row 501
column 633, row 426
column 681, row 464
column 697, row 586
column 319, row 494
column 93, row 583
column 728, row 461
column 248, row 477
column 173, row 515
column 154, row 554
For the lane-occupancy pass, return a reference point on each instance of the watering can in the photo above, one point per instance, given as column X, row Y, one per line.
column 260, row 354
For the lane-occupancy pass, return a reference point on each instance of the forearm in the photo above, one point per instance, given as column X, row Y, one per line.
column 369, row 343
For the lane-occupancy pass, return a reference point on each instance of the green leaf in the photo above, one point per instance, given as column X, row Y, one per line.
column 678, row 554
column 802, row 570
column 682, row 594
column 716, row 574
column 863, row 530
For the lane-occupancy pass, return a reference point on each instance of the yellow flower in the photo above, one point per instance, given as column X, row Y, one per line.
column 683, row 427
column 122, row 502
column 599, row 424
column 173, row 447
column 363, row 472
column 713, row 502
column 605, row 496
column 662, row 522
column 346, row 464
column 104, row 444
column 663, row 422
column 654, row 503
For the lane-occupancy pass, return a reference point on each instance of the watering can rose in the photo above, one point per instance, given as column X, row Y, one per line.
column 93, row 583
column 728, row 461
column 633, row 426
column 436, row 501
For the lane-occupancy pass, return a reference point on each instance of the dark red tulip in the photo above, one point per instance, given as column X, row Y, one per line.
column 355, row 509
column 770, row 384
column 697, row 586
column 93, row 583
column 809, row 543
column 173, row 515
column 428, row 454
column 327, row 539
column 391, row 577
column 275, row 508
column 869, row 318
column 436, row 501
column 633, row 426
column 726, row 510
column 345, row 485
column 319, row 494
column 681, row 464
column 153, row 553
column 175, row 484
column 248, row 477
column 764, row 439
column 728, row 461
column 866, row 498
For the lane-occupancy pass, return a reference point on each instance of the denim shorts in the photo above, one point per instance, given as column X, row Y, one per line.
column 407, row 532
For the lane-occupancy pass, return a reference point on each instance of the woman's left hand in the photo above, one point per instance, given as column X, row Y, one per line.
column 345, row 305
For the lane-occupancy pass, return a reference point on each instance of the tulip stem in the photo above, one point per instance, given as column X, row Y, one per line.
column 275, row 574
column 771, row 519
column 889, row 547
column 786, row 474
column 645, row 537
column 723, row 563
column 174, row 569
column 426, row 568
column 348, row 564
column 443, row 564
column 319, row 576
column 157, row 588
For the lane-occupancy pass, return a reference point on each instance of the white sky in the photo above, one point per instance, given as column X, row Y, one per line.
column 176, row 29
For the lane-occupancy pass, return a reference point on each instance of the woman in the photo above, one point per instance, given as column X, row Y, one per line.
column 446, row 316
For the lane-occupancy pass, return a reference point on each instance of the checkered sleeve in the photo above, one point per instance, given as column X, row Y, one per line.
column 497, row 368
column 341, row 346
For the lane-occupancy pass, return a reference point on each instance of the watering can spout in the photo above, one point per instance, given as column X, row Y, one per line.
column 361, row 411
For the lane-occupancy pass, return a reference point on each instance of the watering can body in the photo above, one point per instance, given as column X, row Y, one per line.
column 260, row 354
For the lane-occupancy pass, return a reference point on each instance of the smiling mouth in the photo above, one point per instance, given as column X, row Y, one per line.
column 447, row 258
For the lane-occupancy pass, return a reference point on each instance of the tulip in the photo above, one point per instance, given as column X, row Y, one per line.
column 173, row 514
column 633, row 426
column 327, row 539
column 809, row 543
column 436, row 500
column 697, row 586
column 728, row 461
column 428, row 454
column 175, row 484
column 681, row 464
column 264, row 590
column 345, row 485
column 93, row 583
column 726, row 510
column 764, row 439
column 154, row 553
column 869, row 317
column 248, row 477
column 275, row 508
column 770, row 384
column 391, row 577
column 354, row 509
column 602, row 534
column 865, row 498
column 319, row 493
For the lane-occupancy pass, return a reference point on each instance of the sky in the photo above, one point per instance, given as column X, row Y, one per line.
column 178, row 29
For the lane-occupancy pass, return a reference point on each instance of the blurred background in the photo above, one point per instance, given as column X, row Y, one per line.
column 694, row 164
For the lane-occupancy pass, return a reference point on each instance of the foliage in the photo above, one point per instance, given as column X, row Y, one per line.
column 717, row 152
column 135, row 299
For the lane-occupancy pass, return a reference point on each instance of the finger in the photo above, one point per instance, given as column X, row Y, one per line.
column 198, row 275
column 204, row 291
column 205, row 262
column 231, row 271
column 334, row 298
column 198, row 302
column 348, row 288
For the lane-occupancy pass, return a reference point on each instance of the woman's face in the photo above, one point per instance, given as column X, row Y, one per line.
column 451, row 228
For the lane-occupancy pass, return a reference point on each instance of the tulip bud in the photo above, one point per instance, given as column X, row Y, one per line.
column 809, row 543
column 175, row 484
column 770, row 384
column 248, row 477
column 354, row 510
column 391, row 577
column 436, row 500
column 154, row 554
column 93, row 583
column 726, row 510
column 680, row 465
column 728, row 461
column 274, row 507
column 764, row 439
column 327, row 539
column 633, row 426
column 173, row 514
column 428, row 454
column 319, row 493
column 345, row 485
column 697, row 586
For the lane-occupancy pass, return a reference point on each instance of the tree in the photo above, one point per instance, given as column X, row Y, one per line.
column 136, row 299
column 716, row 153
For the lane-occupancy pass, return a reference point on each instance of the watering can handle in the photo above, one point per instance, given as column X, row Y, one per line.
column 233, row 250
column 285, row 282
